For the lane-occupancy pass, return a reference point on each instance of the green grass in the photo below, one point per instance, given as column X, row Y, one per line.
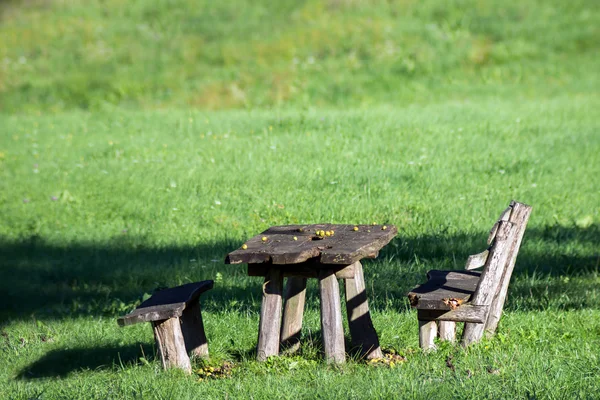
column 141, row 142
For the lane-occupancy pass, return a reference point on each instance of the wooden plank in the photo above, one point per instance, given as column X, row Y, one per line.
column 445, row 290
column 465, row 313
column 362, row 330
column 308, row 269
column 427, row 334
column 505, row 216
column 477, row 260
column 165, row 304
column 447, row 331
column 293, row 310
column 192, row 329
column 331, row 318
column 519, row 217
column 270, row 316
column 490, row 277
column 171, row 346
column 277, row 245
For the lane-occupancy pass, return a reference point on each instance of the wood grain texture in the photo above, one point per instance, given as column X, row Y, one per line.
column 447, row 331
column 171, row 346
column 445, row 290
column 165, row 304
column 519, row 216
column 427, row 333
column 331, row 318
column 192, row 328
column 270, row 316
column 308, row 269
column 293, row 311
column 465, row 313
column 361, row 326
column 477, row 260
column 491, row 277
column 345, row 247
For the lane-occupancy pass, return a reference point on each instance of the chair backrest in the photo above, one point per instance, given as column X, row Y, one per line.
column 499, row 261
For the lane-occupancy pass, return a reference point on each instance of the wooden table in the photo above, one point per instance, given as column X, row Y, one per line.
column 323, row 251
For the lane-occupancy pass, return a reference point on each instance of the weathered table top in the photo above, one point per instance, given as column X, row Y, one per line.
column 324, row 243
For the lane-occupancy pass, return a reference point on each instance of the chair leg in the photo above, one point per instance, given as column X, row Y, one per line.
column 193, row 331
column 293, row 309
column 171, row 346
column 427, row 333
column 270, row 316
column 447, row 330
column 473, row 333
column 331, row 318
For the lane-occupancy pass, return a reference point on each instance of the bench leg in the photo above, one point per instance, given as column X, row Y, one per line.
column 171, row 346
column 447, row 330
column 331, row 317
column 193, row 331
column 473, row 333
column 361, row 327
column 270, row 315
column 293, row 310
column 427, row 333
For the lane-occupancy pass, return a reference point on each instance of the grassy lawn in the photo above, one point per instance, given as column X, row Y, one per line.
column 140, row 168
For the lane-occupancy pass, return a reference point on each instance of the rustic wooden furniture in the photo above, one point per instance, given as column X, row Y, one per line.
column 177, row 323
column 322, row 251
column 469, row 296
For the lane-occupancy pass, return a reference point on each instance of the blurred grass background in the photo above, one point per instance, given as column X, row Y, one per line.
column 74, row 54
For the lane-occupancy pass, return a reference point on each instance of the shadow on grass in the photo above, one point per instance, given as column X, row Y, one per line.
column 110, row 279
column 62, row 362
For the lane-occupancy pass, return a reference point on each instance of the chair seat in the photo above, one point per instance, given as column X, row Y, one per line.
column 166, row 304
column 444, row 290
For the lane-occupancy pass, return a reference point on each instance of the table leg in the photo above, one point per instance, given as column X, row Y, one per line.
column 359, row 318
column 270, row 315
column 293, row 309
column 331, row 317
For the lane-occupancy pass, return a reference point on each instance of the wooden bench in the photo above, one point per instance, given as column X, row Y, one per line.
column 177, row 322
column 473, row 297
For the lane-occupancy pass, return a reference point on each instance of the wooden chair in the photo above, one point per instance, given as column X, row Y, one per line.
column 473, row 297
column 177, row 323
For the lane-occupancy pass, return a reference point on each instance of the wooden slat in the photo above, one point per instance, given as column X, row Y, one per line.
column 519, row 217
column 445, row 290
column 165, row 304
column 477, row 260
column 465, row 313
column 491, row 277
column 304, row 270
column 505, row 216
column 345, row 247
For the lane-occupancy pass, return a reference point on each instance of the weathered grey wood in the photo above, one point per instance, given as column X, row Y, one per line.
column 447, row 330
column 165, row 304
column 477, row 260
column 346, row 246
column 490, row 277
column 293, row 310
column 361, row 326
column 171, row 346
column 270, row 316
column 427, row 334
column 445, row 290
column 307, row 269
column 465, row 313
column 193, row 331
column 519, row 216
column 331, row 318
column 505, row 216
